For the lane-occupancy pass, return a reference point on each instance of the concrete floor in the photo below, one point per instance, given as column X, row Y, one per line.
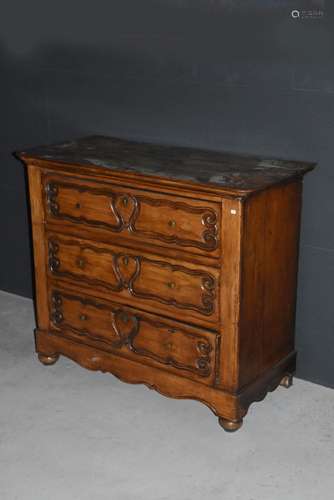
column 70, row 434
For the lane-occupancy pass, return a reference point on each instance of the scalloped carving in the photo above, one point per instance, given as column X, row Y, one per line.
column 128, row 280
column 125, row 327
column 126, row 207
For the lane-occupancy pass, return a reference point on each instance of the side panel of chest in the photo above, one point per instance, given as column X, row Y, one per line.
column 270, row 246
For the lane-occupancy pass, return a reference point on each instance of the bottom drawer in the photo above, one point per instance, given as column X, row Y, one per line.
column 143, row 337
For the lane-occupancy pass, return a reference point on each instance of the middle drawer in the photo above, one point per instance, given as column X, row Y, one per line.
column 174, row 288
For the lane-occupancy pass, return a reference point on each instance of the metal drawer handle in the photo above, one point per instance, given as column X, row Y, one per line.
column 171, row 284
column 172, row 223
column 125, row 260
column 81, row 263
column 125, row 201
column 83, row 317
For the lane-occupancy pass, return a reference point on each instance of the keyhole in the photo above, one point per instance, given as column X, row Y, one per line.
column 124, row 318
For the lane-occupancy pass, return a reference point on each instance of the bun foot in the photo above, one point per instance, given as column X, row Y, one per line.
column 287, row 381
column 230, row 425
column 48, row 359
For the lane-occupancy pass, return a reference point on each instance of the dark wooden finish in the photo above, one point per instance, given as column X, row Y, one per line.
column 166, row 266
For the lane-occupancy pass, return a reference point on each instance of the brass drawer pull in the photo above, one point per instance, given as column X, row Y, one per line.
column 83, row 317
column 171, row 284
column 172, row 223
column 169, row 346
column 81, row 263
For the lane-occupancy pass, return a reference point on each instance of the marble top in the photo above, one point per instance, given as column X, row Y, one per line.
column 224, row 169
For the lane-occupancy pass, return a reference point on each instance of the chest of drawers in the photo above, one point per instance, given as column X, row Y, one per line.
column 168, row 266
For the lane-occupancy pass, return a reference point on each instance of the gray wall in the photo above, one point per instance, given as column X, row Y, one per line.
column 226, row 75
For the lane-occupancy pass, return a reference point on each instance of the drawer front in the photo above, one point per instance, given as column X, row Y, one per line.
column 145, row 279
column 142, row 337
column 166, row 220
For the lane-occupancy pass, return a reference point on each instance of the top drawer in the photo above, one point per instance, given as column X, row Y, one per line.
column 135, row 214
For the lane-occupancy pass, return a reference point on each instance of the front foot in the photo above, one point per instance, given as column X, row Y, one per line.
column 48, row 359
column 287, row 381
column 230, row 425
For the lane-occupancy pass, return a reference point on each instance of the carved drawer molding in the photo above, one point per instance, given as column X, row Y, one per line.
column 142, row 277
column 120, row 328
column 185, row 224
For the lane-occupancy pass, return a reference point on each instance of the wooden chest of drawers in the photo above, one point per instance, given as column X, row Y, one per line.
column 168, row 266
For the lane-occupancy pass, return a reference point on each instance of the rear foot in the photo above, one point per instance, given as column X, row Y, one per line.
column 48, row 359
column 230, row 425
column 287, row 381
